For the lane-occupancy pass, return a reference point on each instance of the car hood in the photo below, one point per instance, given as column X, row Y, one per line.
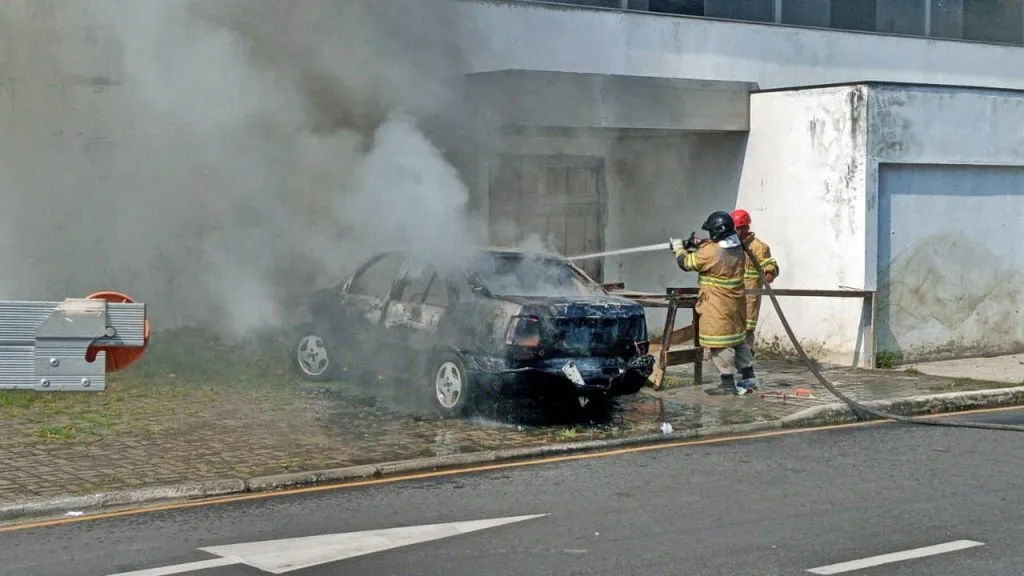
column 579, row 306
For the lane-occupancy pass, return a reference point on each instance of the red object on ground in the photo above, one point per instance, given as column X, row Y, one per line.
column 802, row 392
column 118, row 358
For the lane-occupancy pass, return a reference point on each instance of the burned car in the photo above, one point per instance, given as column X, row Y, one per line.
column 509, row 323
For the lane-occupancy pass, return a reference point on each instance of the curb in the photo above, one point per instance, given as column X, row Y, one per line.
column 234, row 486
column 836, row 413
column 949, row 402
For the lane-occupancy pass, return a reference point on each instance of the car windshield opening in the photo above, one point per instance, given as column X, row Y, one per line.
column 530, row 275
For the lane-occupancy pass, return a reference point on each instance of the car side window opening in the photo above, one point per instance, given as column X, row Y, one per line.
column 463, row 289
column 378, row 279
column 437, row 292
column 424, row 287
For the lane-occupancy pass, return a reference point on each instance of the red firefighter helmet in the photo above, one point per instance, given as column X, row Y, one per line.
column 740, row 218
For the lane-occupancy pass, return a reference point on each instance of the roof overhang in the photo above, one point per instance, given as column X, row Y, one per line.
column 536, row 98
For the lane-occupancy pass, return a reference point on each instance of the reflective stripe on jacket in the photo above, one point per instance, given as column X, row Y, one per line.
column 720, row 301
column 751, row 278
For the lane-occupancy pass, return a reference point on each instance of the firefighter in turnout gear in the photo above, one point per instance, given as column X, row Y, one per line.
column 721, row 305
column 751, row 278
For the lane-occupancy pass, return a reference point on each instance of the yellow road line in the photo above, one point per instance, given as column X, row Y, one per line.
column 466, row 470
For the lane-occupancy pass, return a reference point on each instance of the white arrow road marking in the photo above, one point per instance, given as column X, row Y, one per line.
column 289, row 554
column 895, row 557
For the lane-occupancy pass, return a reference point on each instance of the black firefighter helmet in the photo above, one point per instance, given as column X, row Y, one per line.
column 719, row 225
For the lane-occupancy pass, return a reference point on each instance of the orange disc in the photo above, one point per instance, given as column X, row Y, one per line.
column 118, row 358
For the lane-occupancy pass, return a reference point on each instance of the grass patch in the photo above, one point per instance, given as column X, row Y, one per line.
column 184, row 375
column 964, row 384
column 55, row 432
column 887, row 359
column 566, row 434
column 912, row 370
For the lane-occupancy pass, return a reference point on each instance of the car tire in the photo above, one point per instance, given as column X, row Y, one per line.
column 451, row 388
column 313, row 355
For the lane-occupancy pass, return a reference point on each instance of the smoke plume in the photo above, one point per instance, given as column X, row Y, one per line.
column 216, row 158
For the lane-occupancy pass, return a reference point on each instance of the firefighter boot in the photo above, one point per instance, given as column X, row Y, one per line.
column 749, row 381
column 727, row 387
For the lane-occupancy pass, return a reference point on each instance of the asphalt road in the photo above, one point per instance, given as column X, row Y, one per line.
column 766, row 506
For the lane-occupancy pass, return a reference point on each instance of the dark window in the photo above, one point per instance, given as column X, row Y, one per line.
column 853, row 15
column 901, row 17
column 947, row 19
column 994, row 21
column 806, row 12
column 753, row 10
column 378, row 279
column 686, row 7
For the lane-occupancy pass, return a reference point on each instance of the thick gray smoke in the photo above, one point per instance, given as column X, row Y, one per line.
column 215, row 158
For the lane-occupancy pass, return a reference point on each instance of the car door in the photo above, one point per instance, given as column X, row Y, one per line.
column 367, row 297
column 413, row 316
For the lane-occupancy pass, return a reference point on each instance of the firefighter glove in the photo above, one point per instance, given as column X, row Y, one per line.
column 691, row 243
column 677, row 245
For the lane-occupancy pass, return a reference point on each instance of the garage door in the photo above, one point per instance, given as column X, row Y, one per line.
column 951, row 270
column 558, row 198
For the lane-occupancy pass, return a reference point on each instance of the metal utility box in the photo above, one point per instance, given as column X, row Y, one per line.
column 44, row 345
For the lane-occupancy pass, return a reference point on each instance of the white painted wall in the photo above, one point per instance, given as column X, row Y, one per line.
column 954, row 287
column 508, row 35
column 803, row 182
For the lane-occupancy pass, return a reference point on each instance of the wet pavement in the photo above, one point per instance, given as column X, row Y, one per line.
column 158, row 428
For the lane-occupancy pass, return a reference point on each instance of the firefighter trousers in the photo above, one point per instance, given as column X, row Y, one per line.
column 731, row 361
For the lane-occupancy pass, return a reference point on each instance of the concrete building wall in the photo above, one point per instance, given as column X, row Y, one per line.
column 950, row 196
column 657, row 186
column 803, row 182
column 667, row 187
column 510, row 35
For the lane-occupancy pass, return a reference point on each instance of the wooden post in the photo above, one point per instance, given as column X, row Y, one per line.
column 666, row 342
column 698, row 362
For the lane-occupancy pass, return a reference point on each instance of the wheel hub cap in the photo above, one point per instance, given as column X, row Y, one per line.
column 448, row 384
column 312, row 355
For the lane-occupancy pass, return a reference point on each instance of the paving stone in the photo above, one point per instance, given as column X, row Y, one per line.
column 134, row 434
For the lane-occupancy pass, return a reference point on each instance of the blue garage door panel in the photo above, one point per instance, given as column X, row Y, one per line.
column 951, row 261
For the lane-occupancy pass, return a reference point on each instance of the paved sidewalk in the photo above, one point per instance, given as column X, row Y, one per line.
column 197, row 410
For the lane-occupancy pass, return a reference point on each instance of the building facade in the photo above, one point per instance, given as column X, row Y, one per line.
column 878, row 145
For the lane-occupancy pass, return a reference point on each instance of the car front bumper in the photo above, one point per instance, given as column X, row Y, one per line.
column 597, row 376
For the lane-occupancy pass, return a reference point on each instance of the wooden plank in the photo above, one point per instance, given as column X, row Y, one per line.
column 681, row 336
column 684, row 356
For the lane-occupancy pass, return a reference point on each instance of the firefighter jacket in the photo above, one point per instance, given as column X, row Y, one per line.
column 720, row 298
column 752, row 279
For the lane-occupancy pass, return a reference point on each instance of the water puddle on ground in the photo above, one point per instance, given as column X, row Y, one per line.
column 390, row 425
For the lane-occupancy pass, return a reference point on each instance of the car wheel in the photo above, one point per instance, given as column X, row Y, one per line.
column 451, row 386
column 312, row 356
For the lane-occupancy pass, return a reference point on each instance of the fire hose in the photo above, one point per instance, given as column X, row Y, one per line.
column 861, row 411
